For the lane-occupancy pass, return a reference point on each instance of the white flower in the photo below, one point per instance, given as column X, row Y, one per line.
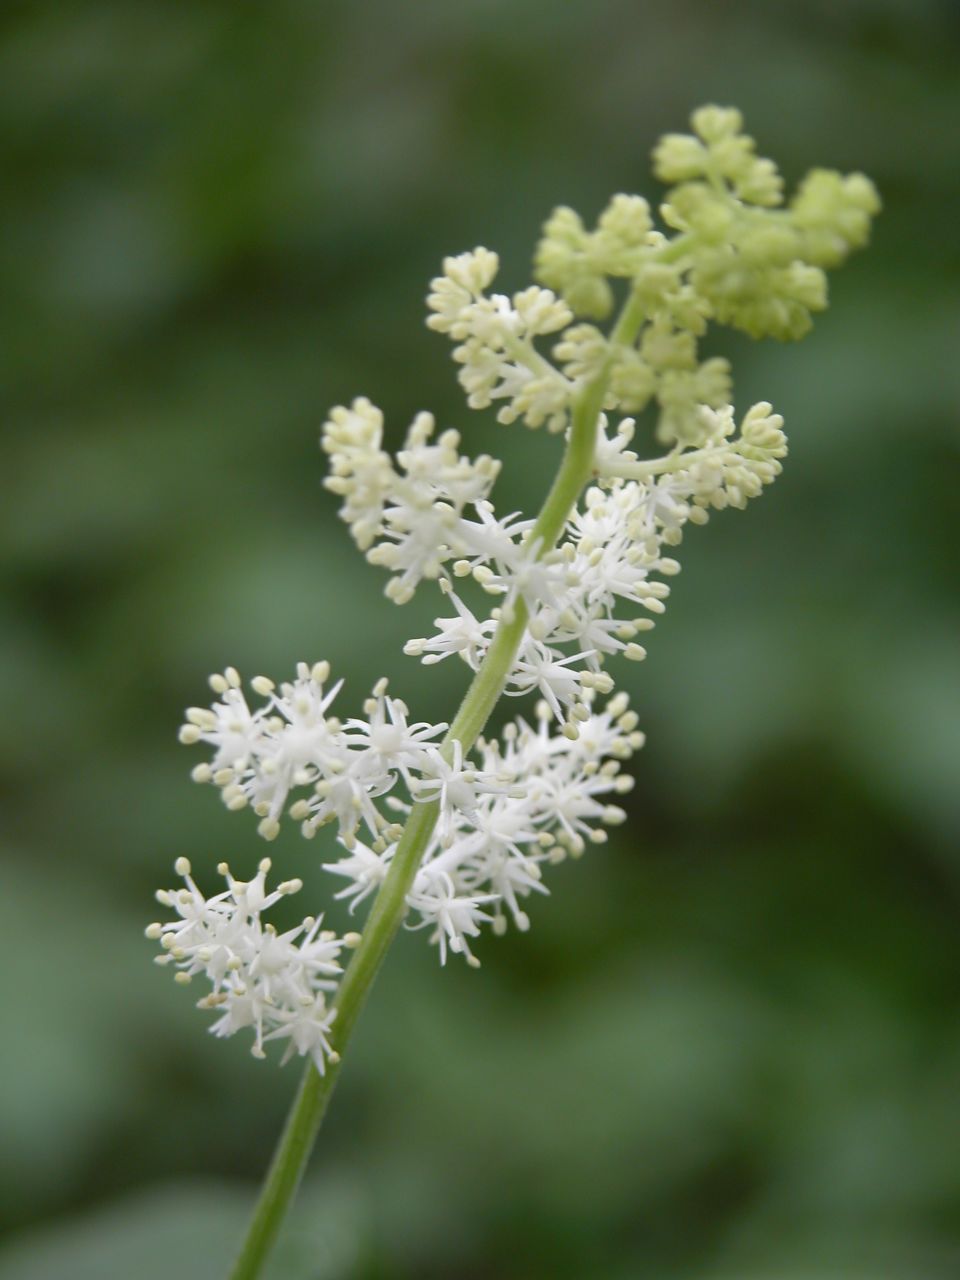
column 292, row 746
column 512, row 877
column 457, row 786
column 541, row 580
column 453, row 784
column 408, row 520
column 347, row 798
column 260, row 756
column 273, row 983
column 490, row 539
column 229, row 725
column 465, row 635
column 365, row 868
column 584, row 596
column 306, row 1027
column 386, row 740
column 526, row 801
column 455, row 917
column 538, row 666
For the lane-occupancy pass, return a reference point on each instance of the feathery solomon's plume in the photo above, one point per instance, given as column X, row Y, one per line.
column 567, row 592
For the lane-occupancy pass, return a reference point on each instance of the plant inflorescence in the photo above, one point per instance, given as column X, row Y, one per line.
column 443, row 826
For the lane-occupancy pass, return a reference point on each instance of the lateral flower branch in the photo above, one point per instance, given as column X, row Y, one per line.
column 444, row 827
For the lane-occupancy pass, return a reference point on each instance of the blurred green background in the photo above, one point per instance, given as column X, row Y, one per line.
column 729, row 1049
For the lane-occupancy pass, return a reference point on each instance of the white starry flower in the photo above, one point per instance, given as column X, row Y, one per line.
column 365, row 868
column 489, row 539
column 386, row 740
column 296, row 754
column 348, row 798
column 454, row 917
column 229, row 725
column 272, row 983
column 539, row 667
column 286, row 743
column 511, row 878
column 539, row 580
column 306, row 1028
column 457, row 786
column 464, row 635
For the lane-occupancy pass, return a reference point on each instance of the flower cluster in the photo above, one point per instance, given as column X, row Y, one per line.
column 408, row 520
column 583, row 596
column 273, row 983
column 534, row 798
column 758, row 266
column 570, row 591
column 288, row 744
column 740, row 259
column 498, row 357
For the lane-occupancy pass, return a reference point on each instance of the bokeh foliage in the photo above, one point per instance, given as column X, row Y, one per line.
column 730, row 1047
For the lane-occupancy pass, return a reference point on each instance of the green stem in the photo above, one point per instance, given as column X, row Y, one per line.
column 389, row 908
